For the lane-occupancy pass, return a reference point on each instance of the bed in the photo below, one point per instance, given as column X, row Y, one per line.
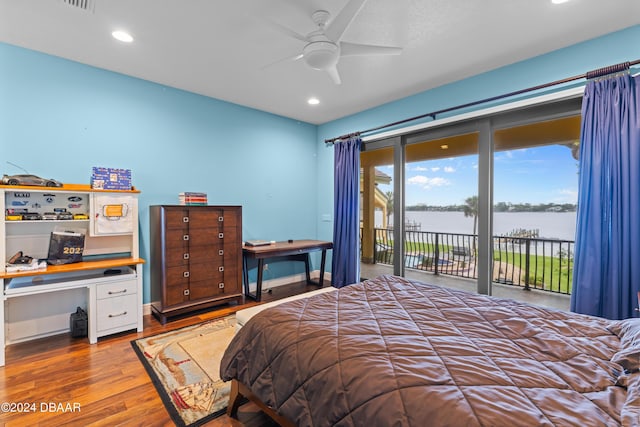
column 397, row 352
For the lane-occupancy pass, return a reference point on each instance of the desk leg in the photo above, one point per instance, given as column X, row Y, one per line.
column 322, row 264
column 259, row 279
column 306, row 268
column 245, row 275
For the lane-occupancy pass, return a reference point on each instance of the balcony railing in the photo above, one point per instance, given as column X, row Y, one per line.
column 530, row 263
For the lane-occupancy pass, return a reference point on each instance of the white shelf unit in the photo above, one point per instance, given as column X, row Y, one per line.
column 107, row 283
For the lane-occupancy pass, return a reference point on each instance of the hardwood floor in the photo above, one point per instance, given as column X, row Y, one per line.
column 66, row 381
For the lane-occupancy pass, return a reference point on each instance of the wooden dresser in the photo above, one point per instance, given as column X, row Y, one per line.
column 196, row 258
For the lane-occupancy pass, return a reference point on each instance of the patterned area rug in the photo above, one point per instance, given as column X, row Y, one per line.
column 184, row 366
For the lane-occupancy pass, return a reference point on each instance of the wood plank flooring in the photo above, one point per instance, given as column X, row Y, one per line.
column 103, row 384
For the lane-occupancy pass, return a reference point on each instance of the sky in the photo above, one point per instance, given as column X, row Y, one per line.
column 543, row 174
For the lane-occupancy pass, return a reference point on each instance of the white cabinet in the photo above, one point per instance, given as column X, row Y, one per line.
column 108, row 281
column 117, row 306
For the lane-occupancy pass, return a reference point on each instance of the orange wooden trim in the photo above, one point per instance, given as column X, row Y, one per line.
column 68, row 187
column 77, row 266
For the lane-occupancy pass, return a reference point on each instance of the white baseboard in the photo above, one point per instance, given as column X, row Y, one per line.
column 272, row 283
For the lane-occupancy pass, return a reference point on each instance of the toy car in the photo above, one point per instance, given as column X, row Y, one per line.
column 49, row 215
column 27, row 179
column 65, row 215
column 30, row 216
column 80, row 216
column 13, row 217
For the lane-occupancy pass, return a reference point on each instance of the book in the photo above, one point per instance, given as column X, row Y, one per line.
column 258, row 242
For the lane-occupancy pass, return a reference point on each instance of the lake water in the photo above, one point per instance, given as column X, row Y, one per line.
column 551, row 225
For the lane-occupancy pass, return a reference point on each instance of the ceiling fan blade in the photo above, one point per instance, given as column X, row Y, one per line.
column 288, row 58
column 334, row 74
column 355, row 49
column 286, row 31
column 339, row 25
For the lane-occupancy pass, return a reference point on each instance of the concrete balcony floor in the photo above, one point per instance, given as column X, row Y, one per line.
column 541, row 298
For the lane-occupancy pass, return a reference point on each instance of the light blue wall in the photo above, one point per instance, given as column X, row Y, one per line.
column 575, row 60
column 59, row 118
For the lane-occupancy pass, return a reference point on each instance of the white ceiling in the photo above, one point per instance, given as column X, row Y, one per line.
column 220, row 48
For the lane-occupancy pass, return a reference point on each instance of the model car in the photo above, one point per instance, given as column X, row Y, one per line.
column 49, row 215
column 13, row 217
column 26, row 216
column 80, row 216
column 27, row 179
column 65, row 215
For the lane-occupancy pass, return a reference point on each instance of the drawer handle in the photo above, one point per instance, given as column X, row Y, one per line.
column 220, row 218
column 221, row 235
column 185, row 237
column 124, row 313
column 221, row 252
column 185, row 256
column 124, row 291
column 221, row 285
column 185, row 219
column 220, row 269
column 186, row 292
column 185, row 274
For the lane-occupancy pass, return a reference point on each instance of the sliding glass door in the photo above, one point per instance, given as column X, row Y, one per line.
column 534, row 213
column 376, row 209
column 439, row 204
column 441, row 208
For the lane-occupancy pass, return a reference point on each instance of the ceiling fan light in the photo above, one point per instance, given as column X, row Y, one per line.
column 321, row 55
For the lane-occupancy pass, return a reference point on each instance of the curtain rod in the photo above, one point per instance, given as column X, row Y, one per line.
column 611, row 69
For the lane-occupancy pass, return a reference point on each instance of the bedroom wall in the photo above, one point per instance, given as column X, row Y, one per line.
column 607, row 50
column 59, row 118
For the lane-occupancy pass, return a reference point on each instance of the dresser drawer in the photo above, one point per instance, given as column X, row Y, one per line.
column 116, row 289
column 117, row 312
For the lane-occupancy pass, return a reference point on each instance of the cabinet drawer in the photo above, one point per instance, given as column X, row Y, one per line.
column 205, row 218
column 117, row 312
column 117, row 289
column 194, row 237
column 176, row 218
column 193, row 272
column 213, row 254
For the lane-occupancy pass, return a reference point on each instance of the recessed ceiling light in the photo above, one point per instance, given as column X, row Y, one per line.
column 444, row 147
column 313, row 101
column 559, row 1
column 123, row 36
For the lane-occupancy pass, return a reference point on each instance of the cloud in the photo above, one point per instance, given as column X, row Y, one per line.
column 566, row 195
column 427, row 182
column 449, row 169
column 435, row 169
column 420, row 168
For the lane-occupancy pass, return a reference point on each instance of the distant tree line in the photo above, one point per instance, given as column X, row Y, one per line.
column 499, row 207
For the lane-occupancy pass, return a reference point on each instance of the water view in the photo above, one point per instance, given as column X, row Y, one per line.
column 551, row 225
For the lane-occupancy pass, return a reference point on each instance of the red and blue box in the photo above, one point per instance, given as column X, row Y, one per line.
column 110, row 179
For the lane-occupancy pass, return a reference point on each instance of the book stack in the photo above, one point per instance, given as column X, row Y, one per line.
column 193, row 199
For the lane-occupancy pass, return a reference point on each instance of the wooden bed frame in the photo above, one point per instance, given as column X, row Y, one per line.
column 240, row 391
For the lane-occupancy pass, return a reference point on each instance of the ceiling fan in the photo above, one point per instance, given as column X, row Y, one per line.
column 324, row 46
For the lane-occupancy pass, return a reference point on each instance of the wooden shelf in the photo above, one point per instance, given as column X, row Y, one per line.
column 67, row 187
column 78, row 266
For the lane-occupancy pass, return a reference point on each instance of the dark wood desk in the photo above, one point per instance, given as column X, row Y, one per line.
column 297, row 250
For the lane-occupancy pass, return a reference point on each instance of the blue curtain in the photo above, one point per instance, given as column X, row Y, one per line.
column 346, row 227
column 606, row 273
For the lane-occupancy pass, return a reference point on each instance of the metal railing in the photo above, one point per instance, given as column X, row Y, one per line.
column 530, row 263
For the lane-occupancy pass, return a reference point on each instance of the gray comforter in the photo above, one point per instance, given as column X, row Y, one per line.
column 395, row 352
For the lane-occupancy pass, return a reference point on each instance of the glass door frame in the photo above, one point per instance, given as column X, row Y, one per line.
column 484, row 123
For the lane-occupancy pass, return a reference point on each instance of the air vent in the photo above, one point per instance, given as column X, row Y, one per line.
column 86, row 5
